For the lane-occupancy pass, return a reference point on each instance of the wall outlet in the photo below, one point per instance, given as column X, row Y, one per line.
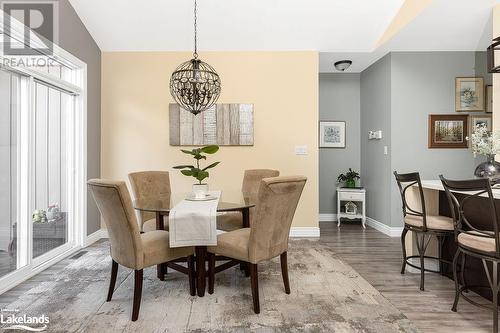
column 301, row 150
column 386, row 150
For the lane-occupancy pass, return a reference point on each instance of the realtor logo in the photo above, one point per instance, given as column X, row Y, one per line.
column 40, row 27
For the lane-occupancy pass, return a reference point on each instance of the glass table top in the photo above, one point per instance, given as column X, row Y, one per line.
column 229, row 201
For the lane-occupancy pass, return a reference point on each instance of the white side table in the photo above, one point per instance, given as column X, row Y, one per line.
column 356, row 196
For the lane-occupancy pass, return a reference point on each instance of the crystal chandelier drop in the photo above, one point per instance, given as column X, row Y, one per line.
column 195, row 85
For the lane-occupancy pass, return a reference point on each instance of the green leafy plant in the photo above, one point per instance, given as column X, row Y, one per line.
column 198, row 154
column 349, row 178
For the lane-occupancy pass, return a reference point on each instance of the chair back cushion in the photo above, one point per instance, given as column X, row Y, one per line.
column 150, row 184
column 114, row 203
column 277, row 200
column 251, row 184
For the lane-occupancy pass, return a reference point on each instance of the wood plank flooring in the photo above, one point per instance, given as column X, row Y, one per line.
column 377, row 258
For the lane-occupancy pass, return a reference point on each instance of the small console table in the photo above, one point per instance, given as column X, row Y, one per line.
column 355, row 195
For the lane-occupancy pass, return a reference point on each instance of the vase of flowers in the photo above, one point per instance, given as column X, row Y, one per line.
column 200, row 189
column 487, row 143
column 349, row 178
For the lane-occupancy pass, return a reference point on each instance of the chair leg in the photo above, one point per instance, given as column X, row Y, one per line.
column 403, row 244
column 455, row 277
column 191, row 275
column 494, row 292
column 137, row 294
column 112, row 281
column 254, row 280
column 284, row 271
column 462, row 271
column 211, row 272
column 422, row 247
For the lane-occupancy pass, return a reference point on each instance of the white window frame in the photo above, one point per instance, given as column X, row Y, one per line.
column 77, row 170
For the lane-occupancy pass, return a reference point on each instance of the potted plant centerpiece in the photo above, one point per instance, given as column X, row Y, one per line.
column 349, row 178
column 487, row 143
column 200, row 190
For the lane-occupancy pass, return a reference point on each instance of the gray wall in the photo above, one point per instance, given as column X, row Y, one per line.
column 74, row 38
column 339, row 99
column 376, row 115
column 397, row 95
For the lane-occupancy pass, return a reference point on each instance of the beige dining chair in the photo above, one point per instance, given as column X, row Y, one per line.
column 251, row 181
column 129, row 247
column 267, row 236
column 150, row 184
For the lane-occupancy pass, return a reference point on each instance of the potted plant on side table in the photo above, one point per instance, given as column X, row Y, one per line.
column 200, row 190
column 349, row 178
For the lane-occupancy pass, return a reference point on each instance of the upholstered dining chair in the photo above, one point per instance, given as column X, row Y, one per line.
column 424, row 225
column 471, row 239
column 267, row 236
column 129, row 247
column 251, row 181
column 150, row 184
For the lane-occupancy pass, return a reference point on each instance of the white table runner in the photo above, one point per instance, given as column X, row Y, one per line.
column 194, row 223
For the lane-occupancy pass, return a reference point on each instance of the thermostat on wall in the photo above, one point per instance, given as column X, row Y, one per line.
column 375, row 135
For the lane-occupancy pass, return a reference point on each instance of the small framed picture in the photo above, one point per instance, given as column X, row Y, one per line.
column 448, row 131
column 489, row 99
column 332, row 134
column 469, row 94
column 481, row 120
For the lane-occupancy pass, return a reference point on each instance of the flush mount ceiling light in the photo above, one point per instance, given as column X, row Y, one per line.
column 342, row 65
column 195, row 85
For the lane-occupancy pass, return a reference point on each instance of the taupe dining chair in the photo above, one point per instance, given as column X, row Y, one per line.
column 129, row 247
column 267, row 236
column 251, row 181
column 150, row 184
column 472, row 241
column 424, row 226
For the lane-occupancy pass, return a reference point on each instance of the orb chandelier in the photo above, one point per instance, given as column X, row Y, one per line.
column 195, row 85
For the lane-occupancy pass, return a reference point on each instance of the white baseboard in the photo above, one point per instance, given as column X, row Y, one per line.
column 389, row 231
column 307, row 232
column 295, row 232
column 328, row 217
column 95, row 236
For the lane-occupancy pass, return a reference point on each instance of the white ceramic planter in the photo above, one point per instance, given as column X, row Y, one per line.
column 200, row 190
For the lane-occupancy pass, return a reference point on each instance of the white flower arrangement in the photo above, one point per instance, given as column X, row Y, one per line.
column 484, row 142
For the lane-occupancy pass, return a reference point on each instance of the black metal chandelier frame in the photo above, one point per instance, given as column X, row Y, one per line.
column 195, row 85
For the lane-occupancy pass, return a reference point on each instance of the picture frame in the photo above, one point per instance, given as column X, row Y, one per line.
column 481, row 119
column 448, row 131
column 488, row 103
column 469, row 94
column 332, row 134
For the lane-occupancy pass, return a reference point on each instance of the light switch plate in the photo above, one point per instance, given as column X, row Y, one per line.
column 301, row 150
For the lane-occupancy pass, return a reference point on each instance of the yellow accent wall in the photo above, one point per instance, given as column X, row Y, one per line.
column 283, row 86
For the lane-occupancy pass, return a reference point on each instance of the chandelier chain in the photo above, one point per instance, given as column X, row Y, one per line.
column 195, row 54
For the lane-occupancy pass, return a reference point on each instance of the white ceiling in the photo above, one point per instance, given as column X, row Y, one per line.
column 338, row 29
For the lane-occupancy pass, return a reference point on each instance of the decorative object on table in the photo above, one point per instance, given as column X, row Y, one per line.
column 221, row 124
column 489, row 99
column 332, row 134
column 469, row 94
column 448, row 131
column 195, row 85
column 349, row 178
column 53, row 212
column 39, row 216
column 485, row 120
column 199, row 190
column 342, row 65
column 351, row 208
column 351, row 204
column 487, row 143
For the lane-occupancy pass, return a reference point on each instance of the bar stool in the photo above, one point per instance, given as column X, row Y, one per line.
column 423, row 225
column 471, row 241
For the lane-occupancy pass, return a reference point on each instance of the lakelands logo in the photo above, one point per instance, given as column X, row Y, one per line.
column 12, row 320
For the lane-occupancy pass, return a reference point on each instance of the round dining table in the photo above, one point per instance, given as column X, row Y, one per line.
column 162, row 206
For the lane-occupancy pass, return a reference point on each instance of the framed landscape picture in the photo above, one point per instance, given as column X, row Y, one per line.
column 332, row 134
column 481, row 120
column 489, row 99
column 448, row 131
column 469, row 94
